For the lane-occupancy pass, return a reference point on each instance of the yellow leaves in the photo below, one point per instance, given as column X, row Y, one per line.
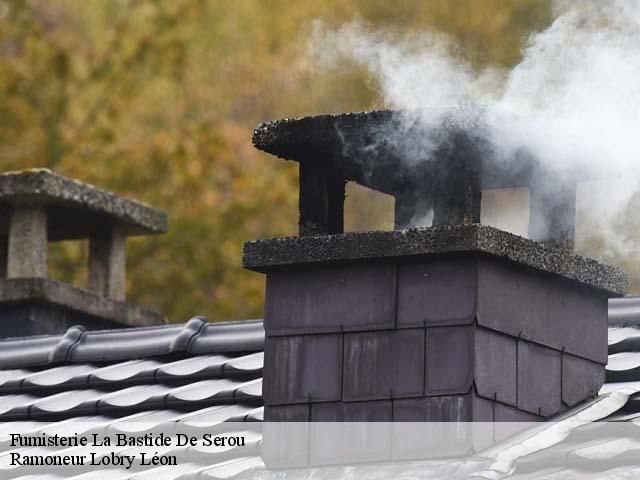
column 158, row 99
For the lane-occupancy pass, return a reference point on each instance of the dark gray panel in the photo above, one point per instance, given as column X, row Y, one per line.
column 449, row 360
column 482, row 408
column 326, row 299
column 303, row 368
column 506, row 413
column 279, row 449
column 495, row 366
column 539, row 379
column 441, row 291
column 353, row 443
column 433, row 439
column 541, row 307
column 581, row 379
column 433, row 409
column 380, row 365
column 378, row 411
column 286, row 413
column 579, row 317
column 513, row 299
column 510, row 421
column 481, row 411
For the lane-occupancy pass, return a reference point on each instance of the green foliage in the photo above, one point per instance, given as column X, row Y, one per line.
column 157, row 99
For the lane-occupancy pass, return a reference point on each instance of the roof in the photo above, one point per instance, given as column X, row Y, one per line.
column 66, row 198
column 191, row 372
column 69, row 297
column 200, row 371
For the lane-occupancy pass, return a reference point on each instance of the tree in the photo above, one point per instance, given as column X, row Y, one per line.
column 157, row 99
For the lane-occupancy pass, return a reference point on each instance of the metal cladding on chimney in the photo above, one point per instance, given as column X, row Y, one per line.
column 490, row 337
column 39, row 206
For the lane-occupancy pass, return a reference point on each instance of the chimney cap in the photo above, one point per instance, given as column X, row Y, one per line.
column 434, row 161
column 67, row 199
column 377, row 148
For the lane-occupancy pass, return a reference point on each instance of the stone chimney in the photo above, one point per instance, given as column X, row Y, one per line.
column 456, row 322
column 40, row 206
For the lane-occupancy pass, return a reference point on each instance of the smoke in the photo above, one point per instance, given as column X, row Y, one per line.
column 573, row 101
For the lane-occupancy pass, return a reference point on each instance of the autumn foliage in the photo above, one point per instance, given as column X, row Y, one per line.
column 157, row 100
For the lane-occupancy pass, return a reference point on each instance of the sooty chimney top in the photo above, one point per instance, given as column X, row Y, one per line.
column 439, row 170
column 39, row 206
column 454, row 322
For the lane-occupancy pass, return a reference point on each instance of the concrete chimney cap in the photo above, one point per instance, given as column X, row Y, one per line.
column 67, row 198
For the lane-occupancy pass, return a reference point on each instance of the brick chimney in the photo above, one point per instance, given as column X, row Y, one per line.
column 40, row 206
column 456, row 322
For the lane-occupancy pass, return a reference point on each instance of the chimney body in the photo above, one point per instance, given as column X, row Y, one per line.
column 40, row 206
column 454, row 323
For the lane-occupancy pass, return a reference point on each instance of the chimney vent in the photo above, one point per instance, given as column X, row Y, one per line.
column 371, row 149
column 40, row 206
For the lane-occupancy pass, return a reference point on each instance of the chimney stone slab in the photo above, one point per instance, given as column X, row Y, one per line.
column 496, row 362
column 506, row 413
column 449, row 362
column 545, row 309
column 437, row 292
column 302, row 368
column 375, row 411
column 574, row 370
column 331, row 299
column 65, row 198
column 387, row 364
column 540, row 379
column 366, row 247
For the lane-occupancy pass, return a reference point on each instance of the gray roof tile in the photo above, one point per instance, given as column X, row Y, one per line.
column 76, row 345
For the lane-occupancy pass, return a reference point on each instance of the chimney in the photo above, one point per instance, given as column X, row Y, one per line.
column 39, row 206
column 456, row 322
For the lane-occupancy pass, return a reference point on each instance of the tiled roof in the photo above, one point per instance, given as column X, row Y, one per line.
column 623, row 368
column 199, row 371
column 188, row 373
column 196, row 337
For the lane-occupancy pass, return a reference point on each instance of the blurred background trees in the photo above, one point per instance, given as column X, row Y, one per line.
column 157, row 100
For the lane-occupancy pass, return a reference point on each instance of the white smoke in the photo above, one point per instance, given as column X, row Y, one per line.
column 573, row 101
